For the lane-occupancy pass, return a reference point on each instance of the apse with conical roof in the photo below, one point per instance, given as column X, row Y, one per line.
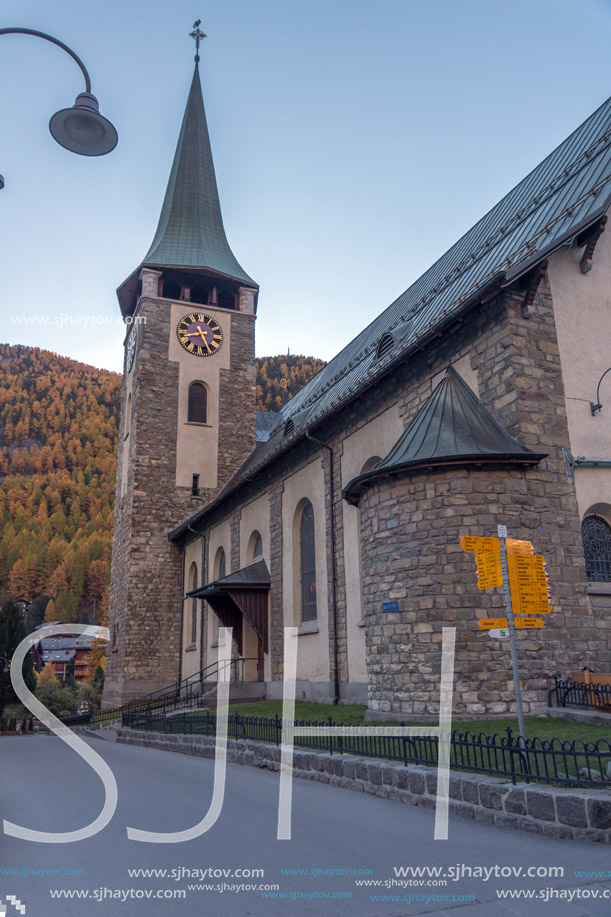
column 190, row 235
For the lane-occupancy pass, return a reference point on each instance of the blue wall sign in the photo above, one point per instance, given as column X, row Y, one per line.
column 390, row 606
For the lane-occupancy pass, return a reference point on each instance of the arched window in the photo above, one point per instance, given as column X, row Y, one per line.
column 220, row 564
column 307, row 553
column 171, row 289
column 193, row 585
column 226, row 299
column 198, row 403
column 596, row 534
column 200, row 293
column 255, row 547
column 128, row 415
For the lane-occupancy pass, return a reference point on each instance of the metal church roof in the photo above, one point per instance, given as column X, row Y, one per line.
column 255, row 575
column 452, row 428
column 564, row 195
column 190, row 233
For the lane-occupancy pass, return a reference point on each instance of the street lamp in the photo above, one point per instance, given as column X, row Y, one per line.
column 81, row 128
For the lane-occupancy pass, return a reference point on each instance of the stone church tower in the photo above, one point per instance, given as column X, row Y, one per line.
column 187, row 409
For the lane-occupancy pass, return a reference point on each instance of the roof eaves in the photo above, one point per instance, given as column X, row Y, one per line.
column 353, row 490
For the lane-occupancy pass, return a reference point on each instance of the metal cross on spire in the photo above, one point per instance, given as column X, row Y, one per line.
column 197, row 34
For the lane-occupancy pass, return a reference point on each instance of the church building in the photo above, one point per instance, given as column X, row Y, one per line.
column 469, row 401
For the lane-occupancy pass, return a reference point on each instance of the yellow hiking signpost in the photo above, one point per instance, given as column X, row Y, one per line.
column 520, row 623
column 513, row 565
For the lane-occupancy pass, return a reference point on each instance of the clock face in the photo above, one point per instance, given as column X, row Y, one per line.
column 131, row 350
column 199, row 334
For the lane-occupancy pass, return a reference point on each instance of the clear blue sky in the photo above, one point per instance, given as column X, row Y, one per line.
column 354, row 142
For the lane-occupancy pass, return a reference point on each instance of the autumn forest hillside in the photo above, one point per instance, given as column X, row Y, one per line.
column 58, row 440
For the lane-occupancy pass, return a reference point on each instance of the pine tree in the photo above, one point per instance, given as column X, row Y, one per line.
column 12, row 632
column 50, row 612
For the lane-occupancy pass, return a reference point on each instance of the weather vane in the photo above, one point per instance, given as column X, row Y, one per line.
column 197, row 34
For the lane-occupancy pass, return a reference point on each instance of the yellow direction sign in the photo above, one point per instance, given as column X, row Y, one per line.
column 489, row 623
column 528, row 623
column 519, row 623
column 489, row 570
column 477, row 543
column 471, row 543
column 518, row 547
column 528, row 582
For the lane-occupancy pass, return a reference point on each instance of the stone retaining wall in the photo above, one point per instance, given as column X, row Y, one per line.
column 571, row 814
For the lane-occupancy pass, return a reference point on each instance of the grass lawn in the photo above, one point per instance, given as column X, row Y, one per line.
column 539, row 727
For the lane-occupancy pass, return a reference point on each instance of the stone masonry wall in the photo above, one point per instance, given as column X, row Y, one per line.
column 565, row 814
column 146, row 574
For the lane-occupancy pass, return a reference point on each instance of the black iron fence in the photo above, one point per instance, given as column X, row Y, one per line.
column 576, row 762
column 590, row 695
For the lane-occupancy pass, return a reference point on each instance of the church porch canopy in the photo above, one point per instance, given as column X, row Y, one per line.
column 241, row 594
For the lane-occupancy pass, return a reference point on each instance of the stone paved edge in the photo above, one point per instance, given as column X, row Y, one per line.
column 557, row 812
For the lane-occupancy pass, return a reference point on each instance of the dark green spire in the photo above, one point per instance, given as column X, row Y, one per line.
column 190, row 233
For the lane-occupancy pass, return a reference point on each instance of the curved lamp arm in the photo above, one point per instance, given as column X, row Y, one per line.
column 54, row 41
column 594, row 407
column 80, row 129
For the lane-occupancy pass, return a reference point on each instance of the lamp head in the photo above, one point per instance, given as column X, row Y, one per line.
column 82, row 129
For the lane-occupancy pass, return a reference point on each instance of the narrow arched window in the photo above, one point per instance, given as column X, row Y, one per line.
column 128, row 415
column 307, row 551
column 220, row 564
column 255, row 547
column 596, row 534
column 193, row 585
column 198, row 403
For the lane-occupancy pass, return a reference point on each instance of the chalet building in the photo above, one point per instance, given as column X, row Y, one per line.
column 61, row 651
column 469, row 401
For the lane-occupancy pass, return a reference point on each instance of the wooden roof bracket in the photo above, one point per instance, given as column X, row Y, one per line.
column 531, row 284
column 589, row 238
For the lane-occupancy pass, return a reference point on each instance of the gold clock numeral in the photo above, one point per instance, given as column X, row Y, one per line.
column 190, row 347
column 199, row 352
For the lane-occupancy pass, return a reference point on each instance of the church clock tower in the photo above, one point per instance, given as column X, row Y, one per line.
column 187, row 410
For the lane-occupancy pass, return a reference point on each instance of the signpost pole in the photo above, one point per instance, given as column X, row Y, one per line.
column 502, row 533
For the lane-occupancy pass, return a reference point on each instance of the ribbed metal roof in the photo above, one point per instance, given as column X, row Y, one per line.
column 190, row 233
column 452, row 428
column 561, row 197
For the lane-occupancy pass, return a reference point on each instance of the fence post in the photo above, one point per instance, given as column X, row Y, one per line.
column 330, row 738
column 278, row 727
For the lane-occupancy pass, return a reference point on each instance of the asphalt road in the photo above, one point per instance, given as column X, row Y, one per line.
column 44, row 785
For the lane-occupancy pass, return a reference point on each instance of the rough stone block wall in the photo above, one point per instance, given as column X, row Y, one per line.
column 411, row 527
column 146, row 572
column 556, row 812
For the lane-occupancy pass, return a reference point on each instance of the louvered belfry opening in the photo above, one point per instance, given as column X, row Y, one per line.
column 198, row 403
column 386, row 343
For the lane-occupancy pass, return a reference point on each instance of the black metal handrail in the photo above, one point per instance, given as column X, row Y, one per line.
column 573, row 763
column 186, row 693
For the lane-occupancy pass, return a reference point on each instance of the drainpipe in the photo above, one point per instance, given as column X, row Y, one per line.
column 182, row 614
column 333, row 565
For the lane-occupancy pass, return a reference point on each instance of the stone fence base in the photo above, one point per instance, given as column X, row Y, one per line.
column 559, row 812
